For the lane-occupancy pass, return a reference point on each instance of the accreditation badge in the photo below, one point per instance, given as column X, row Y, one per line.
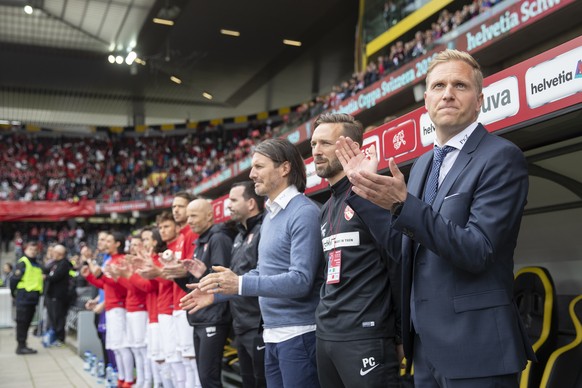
column 334, row 264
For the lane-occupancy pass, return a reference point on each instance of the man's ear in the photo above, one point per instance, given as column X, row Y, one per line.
column 252, row 204
column 479, row 102
column 286, row 166
column 210, row 216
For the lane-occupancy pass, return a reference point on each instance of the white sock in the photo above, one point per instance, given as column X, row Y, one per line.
column 147, row 371
column 139, row 356
column 179, row 374
column 166, row 375
column 155, row 372
column 127, row 361
column 120, row 365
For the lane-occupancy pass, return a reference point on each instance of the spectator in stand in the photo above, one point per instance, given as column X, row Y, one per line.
column 380, row 65
column 444, row 21
column 371, row 74
column 457, row 19
column 418, row 48
column 18, row 243
column 7, row 272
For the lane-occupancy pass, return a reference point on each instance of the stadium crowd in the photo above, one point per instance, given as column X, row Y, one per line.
column 117, row 168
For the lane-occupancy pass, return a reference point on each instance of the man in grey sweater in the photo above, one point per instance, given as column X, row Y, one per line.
column 289, row 273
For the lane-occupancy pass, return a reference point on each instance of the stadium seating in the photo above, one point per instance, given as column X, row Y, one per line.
column 563, row 368
column 535, row 296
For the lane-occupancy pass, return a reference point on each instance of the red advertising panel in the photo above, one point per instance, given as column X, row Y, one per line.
column 399, row 140
column 45, row 210
column 220, row 207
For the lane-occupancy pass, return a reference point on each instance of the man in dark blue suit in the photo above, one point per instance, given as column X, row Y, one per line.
column 455, row 228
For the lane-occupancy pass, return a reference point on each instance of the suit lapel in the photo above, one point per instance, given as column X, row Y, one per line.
column 453, row 174
column 463, row 159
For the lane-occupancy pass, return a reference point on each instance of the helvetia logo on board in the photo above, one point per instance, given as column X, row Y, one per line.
column 554, row 79
column 508, row 21
column 551, row 82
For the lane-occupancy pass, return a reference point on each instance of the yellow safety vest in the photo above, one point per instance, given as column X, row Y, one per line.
column 32, row 278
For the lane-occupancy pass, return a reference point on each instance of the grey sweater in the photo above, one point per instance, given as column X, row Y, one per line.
column 290, row 269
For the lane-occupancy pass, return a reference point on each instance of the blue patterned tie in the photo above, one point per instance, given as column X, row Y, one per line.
column 432, row 184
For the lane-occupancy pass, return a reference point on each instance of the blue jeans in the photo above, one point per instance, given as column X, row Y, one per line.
column 291, row 363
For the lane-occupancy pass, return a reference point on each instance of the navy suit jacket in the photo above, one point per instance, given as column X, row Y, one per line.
column 458, row 254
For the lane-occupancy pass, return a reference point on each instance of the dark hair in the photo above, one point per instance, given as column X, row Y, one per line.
column 160, row 244
column 352, row 128
column 164, row 216
column 120, row 238
column 32, row 243
column 186, row 195
column 281, row 151
column 249, row 193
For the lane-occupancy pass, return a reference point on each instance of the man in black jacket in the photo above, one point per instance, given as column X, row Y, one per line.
column 57, row 292
column 358, row 333
column 212, row 324
column 246, row 207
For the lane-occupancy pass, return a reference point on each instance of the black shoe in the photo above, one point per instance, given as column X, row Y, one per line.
column 25, row 350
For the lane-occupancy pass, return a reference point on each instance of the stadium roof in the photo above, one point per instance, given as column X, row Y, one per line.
column 54, row 66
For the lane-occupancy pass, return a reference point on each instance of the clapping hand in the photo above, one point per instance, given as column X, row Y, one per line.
column 221, row 281
column 195, row 300
column 195, row 266
column 360, row 168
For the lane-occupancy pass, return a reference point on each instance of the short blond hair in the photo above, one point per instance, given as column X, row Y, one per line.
column 449, row 55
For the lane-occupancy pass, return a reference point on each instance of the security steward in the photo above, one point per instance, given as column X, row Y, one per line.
column 26, row 287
